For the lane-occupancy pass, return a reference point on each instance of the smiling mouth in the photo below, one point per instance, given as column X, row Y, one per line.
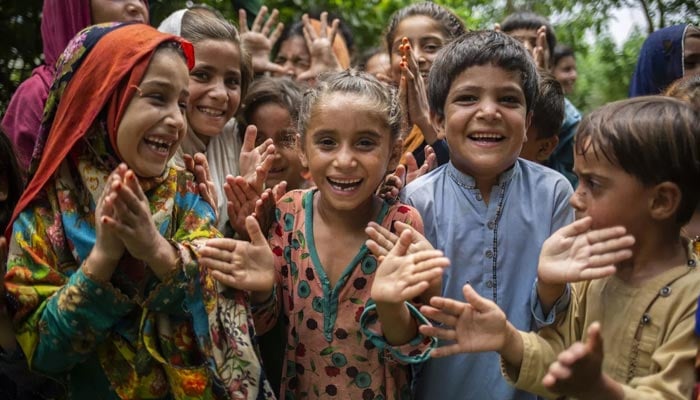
column 487, row 137
column 210, row 111
column 159, row 145
column 344, row 185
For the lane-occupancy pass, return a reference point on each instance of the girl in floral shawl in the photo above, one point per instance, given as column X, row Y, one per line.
column 103, row 280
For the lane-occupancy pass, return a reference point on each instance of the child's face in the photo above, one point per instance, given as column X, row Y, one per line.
column 154, row 122
column 102, row 11
column 605, row 192
column 426, row 38
column 565, row 73
column 528, row 37
column 273, row 122
column 215, row 86
column 538, row 149
column 347, row 148
column 485, row 120
column 294, row 56
column 379, row 65
column 691, row 54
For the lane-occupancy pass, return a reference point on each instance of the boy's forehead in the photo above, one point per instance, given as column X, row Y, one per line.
column 474, row 76
column 523, row 34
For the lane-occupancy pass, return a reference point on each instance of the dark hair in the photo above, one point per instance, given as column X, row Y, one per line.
column 561, row 51
column 548, row 111
column 686, row 89
column 452, row 26
column 367, row 55
column 475, row 49
column 531, row 21
column 380, row 97
column 653, row 138
column 15, row 179
column 199, row 24
column 284, row 92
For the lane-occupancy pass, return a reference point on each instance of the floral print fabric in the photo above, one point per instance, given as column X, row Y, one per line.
column 327, row 354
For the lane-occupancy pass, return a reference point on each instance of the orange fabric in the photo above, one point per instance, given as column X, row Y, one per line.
column 411, row 142
column 107, row 77
column 340, row 48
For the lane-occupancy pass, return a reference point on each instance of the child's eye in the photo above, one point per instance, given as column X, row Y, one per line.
column 366, row 144
column 233, row 83
column 157, row 97
column 466, row 98
column 182, row 105
column 512, row 100
column 326, row 143
column 431, row 48
column 199, row 75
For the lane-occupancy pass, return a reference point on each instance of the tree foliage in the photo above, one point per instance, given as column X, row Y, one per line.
column 604, row 68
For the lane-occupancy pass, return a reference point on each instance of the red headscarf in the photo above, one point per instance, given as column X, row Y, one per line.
column 107, row 77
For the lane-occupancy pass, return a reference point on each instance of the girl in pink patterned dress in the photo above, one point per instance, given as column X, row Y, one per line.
column 351, row 330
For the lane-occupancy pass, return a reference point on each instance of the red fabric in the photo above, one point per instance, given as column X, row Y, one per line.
column 107, row 78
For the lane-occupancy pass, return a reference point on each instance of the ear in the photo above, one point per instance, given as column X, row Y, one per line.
column 664, row 201
column 301, row 152
column 438, row 123
column 546, row 147
column 528, row 122
column 395, row 156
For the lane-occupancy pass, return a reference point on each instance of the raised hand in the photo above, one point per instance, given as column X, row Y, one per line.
column 255, row 162
column 541, row 51
column 382, row 240
column 240, row 264
column 107, row 242
column 578, row 369
column 414, row 172
column 320, row 47
column 266, row 205
column 413, row 94
column 402, row 276
column 241, row 199
column 260, row 39
column 575, row 253
column 475, row 326
column 199, row 167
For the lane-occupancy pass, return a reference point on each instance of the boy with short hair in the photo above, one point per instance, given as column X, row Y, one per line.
column 487, row 210
column 628, row 331
column 547, row 117
column 537, row 35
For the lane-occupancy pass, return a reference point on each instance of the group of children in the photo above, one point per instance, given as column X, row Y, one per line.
column 414, row 236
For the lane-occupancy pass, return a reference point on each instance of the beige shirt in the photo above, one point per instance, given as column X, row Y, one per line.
column 647, row 333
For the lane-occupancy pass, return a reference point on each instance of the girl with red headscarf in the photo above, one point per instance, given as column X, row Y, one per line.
column 103, row 280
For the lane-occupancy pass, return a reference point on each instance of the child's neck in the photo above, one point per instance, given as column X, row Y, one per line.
column 347, row 220
column 653, row 254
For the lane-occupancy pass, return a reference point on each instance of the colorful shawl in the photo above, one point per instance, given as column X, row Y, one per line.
column 136, row 336
column 660, row 61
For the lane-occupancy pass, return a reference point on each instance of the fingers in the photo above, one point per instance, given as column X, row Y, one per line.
column 279, row 190
column 242, row 20
column 376, row 248
column 594, row 342
column 382, row 236
column 411, row 163
column 401, row 246
column 254, row 232
column 575, row 228
column 189, row 162
column 274, row 37
column 444, row 311
column 220, row 244
column 257, row 22
column 479, row 303
column 497, row 27
column 251, row 132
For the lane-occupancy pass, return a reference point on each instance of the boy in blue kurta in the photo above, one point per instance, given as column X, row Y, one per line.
column 487, row 210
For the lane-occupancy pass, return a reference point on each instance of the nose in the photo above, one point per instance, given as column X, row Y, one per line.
column 577, row 200
column 488, row 110
column 345, row 158
column 218, row 90
column 176, row 117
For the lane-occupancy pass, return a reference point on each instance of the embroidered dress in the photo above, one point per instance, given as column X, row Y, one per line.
column 327, row 354
column 134, row 337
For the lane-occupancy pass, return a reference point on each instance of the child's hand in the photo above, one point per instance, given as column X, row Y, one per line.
column 320, row 47
column 578, row 369
column 402, row 276
column 475, row 326
column 199, row 167
column 241, row 198
column 266, row 205
column 541, row 51
column 255, row 162
column 413, row 172
column 413, row 94
column 131, row 219
column 107, row 242
column 260, row 39
column 574, row 253
column 240, row 264
column 382, row 240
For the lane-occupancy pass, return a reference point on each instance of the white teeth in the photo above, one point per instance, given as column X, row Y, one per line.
column 491, row 136
column 159, row 140
column 345, row 181
column 210, row 111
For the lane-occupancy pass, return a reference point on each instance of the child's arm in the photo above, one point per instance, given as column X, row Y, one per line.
column 575, row 253
column 240, row 264
column 578, row 371
column 412, row 93
column 400, row 278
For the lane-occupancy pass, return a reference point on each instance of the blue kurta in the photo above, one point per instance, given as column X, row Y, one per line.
column 494, row 247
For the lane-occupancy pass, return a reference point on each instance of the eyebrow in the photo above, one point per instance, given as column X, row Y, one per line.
column 163, row 84
column 209, row 67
